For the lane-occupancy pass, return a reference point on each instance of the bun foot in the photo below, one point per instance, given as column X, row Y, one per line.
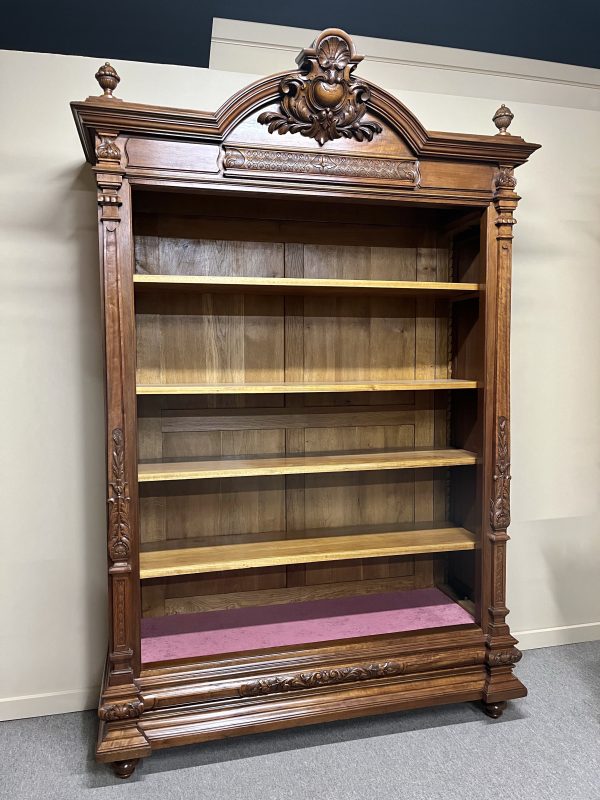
column 494, row 710
column 124, row 769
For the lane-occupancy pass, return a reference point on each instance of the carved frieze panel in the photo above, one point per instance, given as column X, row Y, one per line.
column 386, row 170
column 323, row 101
column 325, row 677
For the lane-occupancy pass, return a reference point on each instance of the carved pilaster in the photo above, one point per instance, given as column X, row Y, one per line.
column 501, row 655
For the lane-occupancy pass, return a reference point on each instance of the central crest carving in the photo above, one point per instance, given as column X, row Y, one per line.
column 326, row 102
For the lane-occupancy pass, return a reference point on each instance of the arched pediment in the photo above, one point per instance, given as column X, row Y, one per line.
column 323, row 103
column 321, row 108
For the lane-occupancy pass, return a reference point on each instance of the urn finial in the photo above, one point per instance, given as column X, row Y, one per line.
column 108, row 79
column 502, row 119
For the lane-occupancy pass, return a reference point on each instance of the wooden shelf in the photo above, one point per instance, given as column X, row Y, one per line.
column 305, row 388
column 247, row 285
column 304, row 550
column 302, row 465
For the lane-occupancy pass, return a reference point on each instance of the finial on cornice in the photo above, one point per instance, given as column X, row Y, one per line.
column 502, row 119
column 108, row 79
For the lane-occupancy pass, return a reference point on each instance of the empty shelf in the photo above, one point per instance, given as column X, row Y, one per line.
column 301, row 388
column 212, row 283
column 216, row 558
column 302, row 465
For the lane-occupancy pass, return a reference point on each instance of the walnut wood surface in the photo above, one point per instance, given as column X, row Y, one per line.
column 279, row 312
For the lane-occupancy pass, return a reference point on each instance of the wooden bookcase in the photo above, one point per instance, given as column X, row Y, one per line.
column 306, row 302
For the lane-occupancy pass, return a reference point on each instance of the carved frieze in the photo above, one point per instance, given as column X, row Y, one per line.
column 323, row 101
column 255, row 159
column 500, row 501
column 118, row 502
column 114, row 712
column 325, row 677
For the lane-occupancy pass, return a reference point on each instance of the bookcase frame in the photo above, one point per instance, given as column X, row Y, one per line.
column 317, row 134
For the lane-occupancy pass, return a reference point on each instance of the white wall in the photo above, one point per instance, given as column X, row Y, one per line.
column 52, row 564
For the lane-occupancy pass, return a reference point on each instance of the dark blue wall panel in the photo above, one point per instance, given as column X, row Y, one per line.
column 178, row 31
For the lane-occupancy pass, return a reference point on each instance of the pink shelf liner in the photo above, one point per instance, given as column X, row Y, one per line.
column 242, row 629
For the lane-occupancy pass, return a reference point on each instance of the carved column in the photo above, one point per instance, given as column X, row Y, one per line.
column 501, row 654
column 120, row 700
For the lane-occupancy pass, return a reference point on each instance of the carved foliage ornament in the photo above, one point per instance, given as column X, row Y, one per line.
column 500, row 502
column 503, row 658
column 325, row 103
column 118, row 502
column 505, row 178
column 107, row 150
column 325, row 677
column 113, row 712
column 392, row 169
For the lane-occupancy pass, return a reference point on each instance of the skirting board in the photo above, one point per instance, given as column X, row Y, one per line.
column 40, row 705
column 565, row 634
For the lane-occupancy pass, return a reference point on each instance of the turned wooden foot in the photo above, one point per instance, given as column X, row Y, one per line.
column 124, row 769
column 494, row 710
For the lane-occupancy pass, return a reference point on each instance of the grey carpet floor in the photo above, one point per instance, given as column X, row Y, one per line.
column 546, row 747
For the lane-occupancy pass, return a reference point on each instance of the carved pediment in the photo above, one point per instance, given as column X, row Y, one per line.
column 326, row 102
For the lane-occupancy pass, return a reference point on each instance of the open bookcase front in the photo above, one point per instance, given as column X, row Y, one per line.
column 306, row 304
column 310, row 384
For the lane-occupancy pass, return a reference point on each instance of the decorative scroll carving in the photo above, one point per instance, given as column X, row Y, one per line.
column 255, row 159
column 118, row 502
column 503, row 658
column 505, row 178
column 502, row 119
column 325, row 103
column 326, row 677
column 113, row 712
column 107, row 150
column 500, row 502
column 108, row 79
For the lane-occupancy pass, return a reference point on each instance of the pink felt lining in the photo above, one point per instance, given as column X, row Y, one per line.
column 258, row 627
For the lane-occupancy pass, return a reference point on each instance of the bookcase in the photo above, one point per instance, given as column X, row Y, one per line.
column 306, row 305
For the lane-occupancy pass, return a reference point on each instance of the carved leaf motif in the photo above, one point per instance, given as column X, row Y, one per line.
column 503, row 658
column 326, row 103
column 392, row 169
column 505, row 178
column 113, row 712
column 118, row 502
column 107, row 150
column 500, row 502
column 326, row 677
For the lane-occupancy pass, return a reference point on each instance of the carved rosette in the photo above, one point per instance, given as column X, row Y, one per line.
column 500, row 501
column 323, row 164
column 325, row 677
column 326, row 102
column 118, row 502
column 116, row 712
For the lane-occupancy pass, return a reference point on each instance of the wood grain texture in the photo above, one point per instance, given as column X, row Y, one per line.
column 302, row 286
column 303, row 465
column 189, row 560
column 305, row 388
